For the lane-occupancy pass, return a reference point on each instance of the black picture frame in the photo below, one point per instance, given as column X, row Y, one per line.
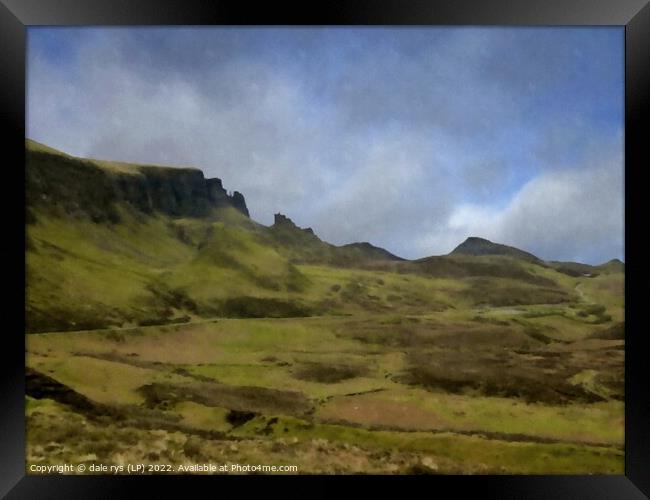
column 16, row 15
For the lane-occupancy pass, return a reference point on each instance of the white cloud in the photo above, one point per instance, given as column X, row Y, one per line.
column 576, row 215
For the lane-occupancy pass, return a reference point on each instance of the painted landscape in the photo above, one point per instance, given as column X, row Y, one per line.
column 324, row 250
column 166, row 326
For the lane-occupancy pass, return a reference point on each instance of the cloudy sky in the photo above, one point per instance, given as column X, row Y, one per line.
column 410, row 138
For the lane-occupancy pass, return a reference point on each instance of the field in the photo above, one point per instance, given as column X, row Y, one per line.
column 161, row 339
column 481, row 390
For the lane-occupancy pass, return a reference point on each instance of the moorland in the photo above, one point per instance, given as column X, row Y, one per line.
column 164, row 325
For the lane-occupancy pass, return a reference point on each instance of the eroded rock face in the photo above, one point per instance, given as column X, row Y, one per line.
column 218, row 196
column 239, row 203
column 78, row 186
column 178, row 192
column 280, row 220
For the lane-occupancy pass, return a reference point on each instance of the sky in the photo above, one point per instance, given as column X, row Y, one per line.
column 409, row 138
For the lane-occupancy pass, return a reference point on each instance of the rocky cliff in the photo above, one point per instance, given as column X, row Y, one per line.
column 282, row 221
column 80, row 187
column 219, row 197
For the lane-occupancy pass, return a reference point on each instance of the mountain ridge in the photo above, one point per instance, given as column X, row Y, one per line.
column 99, row 185
column 111, row 244
column 185, row 191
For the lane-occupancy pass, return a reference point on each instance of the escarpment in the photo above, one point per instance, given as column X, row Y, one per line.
column 80, row 187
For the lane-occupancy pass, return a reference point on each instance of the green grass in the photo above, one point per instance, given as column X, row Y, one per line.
column 268, row 353
column 486, row 455
column 602, row 421
column 215, row 338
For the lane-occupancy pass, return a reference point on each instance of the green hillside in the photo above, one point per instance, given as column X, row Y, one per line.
column 100, row 257
column 480, row 246
column 167, row 326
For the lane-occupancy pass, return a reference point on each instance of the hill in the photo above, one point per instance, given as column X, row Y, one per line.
column 480, row 246
column 167, row 326
column 367, row 251
column 612, row 266
column 128, row 244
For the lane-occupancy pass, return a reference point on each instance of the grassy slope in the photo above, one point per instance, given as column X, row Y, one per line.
column 141, row 269
column 129, row 272
column 157, row 269
column 370, row 414
column 404, row 366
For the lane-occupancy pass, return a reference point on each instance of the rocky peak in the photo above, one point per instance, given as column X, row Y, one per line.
column 239, row 203
column 281, row 220
column 219, row 197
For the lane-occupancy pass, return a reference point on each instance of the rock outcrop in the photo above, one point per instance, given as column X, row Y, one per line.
column 219, row 197
column 282, row 221
column 77, row 186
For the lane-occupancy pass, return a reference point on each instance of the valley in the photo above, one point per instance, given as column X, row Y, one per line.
column 164, row 325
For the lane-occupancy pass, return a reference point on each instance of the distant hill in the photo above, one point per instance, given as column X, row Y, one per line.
column 480, row 246
column 302, row 244
column 613, row 266
column 577, row 269
column 119, row 244
column 369, row 251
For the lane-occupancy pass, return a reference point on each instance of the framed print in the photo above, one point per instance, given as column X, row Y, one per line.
column 380, row 240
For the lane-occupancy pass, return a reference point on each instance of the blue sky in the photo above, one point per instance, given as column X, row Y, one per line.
column 410, row 138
